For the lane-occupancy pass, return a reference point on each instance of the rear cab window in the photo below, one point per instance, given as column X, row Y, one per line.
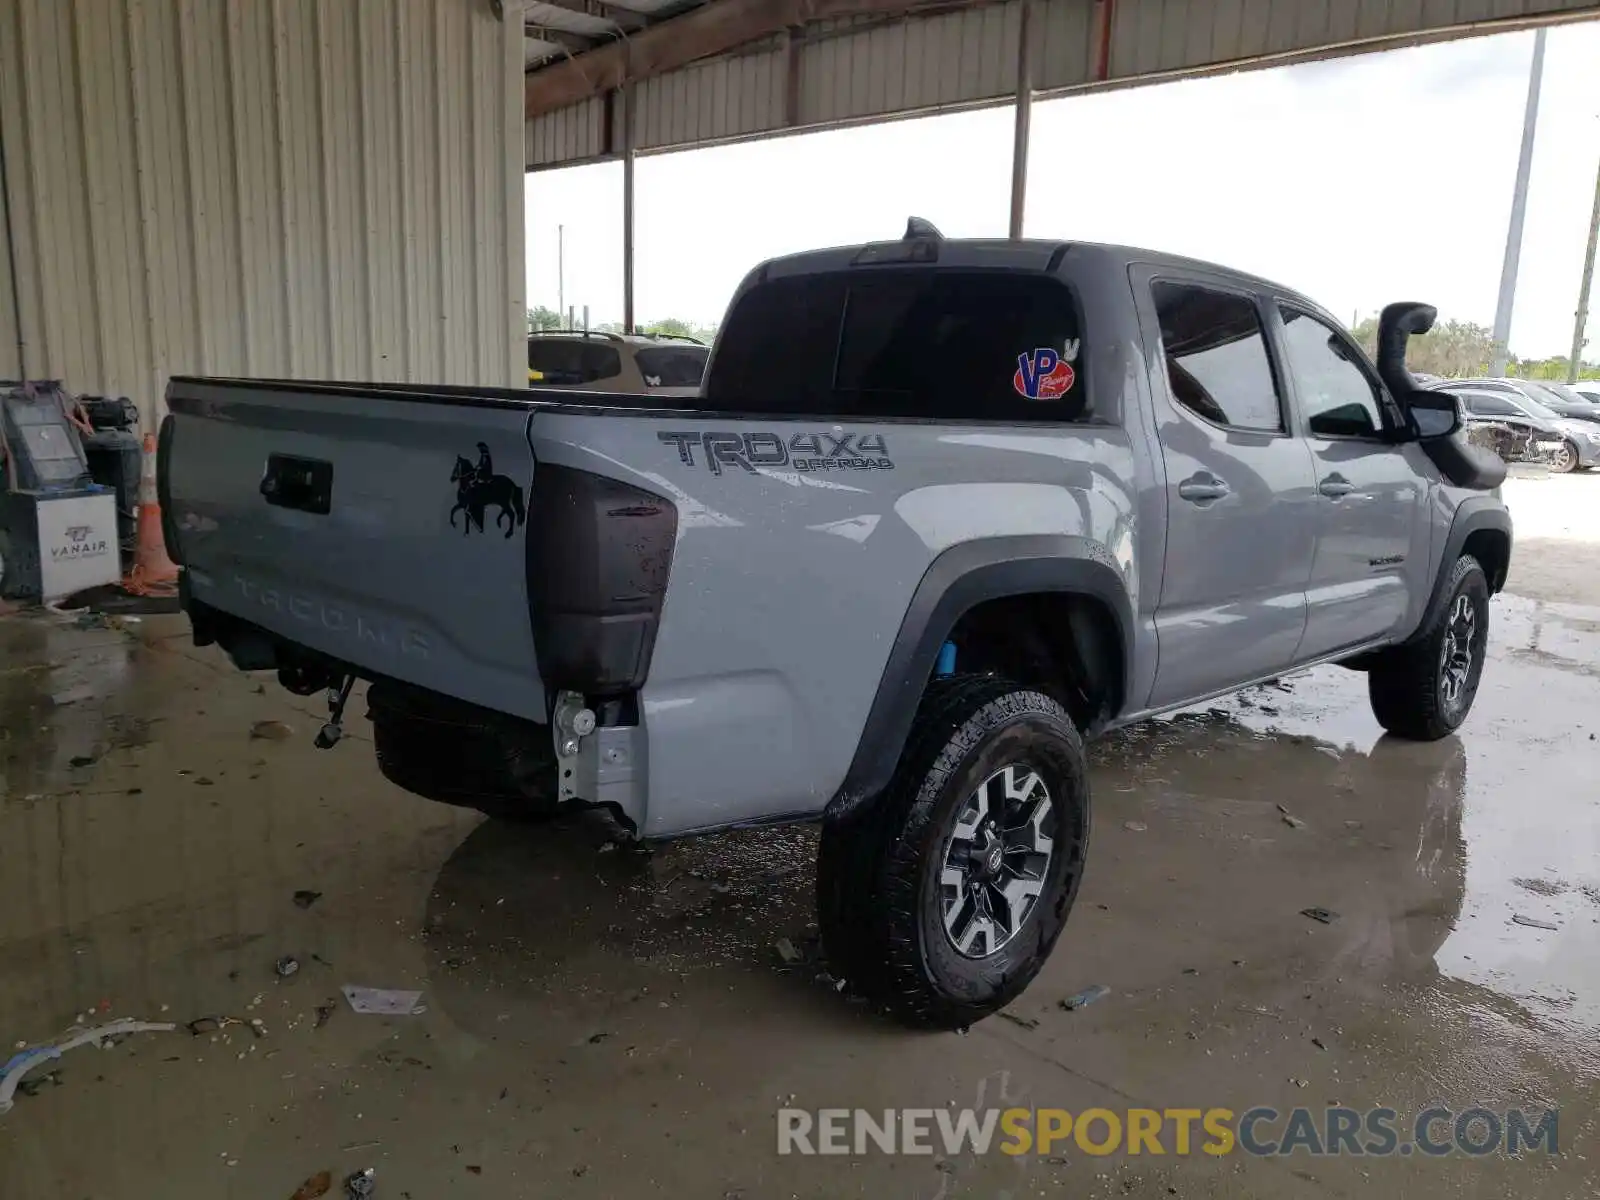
column 940, row 344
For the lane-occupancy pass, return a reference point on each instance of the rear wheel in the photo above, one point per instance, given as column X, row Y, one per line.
column 941, row 899
column 1425, row 689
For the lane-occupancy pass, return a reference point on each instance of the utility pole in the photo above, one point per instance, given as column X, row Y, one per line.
column 1519, row 209
column 561, row 268
column 1582, row 322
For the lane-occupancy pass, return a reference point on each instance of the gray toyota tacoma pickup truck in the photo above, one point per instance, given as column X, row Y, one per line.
column 942, row 510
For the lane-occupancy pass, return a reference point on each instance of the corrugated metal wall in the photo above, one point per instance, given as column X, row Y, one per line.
column 850, row 71
column 314, row 188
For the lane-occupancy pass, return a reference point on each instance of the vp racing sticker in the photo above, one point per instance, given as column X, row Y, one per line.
column 1045, row 373
column 821, row 451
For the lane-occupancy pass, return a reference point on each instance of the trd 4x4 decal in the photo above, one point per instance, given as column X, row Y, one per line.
column 477, row 487
column 841, row 451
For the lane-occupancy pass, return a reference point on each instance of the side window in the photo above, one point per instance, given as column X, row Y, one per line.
column 1338, row 397
column 1216, row 356
column 1493, row 406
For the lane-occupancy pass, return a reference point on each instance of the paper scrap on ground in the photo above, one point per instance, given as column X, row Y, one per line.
column 384, row 1002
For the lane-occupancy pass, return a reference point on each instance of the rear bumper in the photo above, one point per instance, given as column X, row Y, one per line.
column 450, row 750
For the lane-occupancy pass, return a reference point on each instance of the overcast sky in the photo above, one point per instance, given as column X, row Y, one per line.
column 1358, row 181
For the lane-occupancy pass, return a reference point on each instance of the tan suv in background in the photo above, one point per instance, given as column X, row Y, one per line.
column 665, row 365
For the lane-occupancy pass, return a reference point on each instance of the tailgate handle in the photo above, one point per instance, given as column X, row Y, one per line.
column 305, row 484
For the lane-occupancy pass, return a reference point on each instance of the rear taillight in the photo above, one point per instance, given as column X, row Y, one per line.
column 169, row 521
column 599, row 553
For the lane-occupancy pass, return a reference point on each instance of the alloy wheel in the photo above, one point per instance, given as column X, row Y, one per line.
column 1461, row 647
column 996, row 860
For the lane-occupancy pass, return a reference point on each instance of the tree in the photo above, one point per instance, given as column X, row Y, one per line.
column 1454, row 349
column 544, row 318
column 678, row 327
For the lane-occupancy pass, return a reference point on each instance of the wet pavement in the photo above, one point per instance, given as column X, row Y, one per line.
column 598, row 1023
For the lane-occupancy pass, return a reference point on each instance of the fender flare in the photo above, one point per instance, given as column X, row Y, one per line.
column 958, row 579
column 1475, row 513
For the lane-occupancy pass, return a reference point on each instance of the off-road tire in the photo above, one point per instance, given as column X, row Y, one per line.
column 1406, row 685
column 878, row 897
column 460, row 754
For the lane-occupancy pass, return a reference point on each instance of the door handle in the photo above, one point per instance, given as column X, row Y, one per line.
column 1202, row 488
column 1335, row 486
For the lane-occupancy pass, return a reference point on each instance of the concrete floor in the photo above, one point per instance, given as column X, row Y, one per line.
column 601, row 1026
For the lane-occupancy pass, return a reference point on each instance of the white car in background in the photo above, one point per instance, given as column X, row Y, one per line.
column 654, row 364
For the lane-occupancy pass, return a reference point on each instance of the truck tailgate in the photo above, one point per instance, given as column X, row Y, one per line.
column 386, row 529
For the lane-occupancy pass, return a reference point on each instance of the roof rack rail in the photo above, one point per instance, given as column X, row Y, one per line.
column 577, row 333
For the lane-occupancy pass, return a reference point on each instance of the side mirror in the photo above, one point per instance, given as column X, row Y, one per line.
column 1434, row 414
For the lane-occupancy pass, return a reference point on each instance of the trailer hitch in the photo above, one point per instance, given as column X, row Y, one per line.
column 330, row 733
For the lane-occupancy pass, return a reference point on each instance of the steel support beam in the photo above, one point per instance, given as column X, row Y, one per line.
column 626, row 98
column 1024, row 105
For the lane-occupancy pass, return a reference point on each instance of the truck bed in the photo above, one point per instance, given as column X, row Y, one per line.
column 349, row 518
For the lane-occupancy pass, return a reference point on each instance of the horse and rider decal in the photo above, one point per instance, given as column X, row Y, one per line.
column 477, row 487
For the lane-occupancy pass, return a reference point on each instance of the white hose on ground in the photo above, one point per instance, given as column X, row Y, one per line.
column 24, row 1062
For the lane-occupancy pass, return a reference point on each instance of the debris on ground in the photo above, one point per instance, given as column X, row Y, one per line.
column 286, row 966
column 1299, row 1083
column 1326, row 915
column 314, row 1187
column 1257, row 1010
column 1086, row 997
column 21, row 1063
column 32, row 1087
column 1319, row 1043
column 325, row 1013
column 596, row 1038
column 1534, row 922
column 1293, row 822
column 385, row 1002
column 304, row 898
column 1025, row 1022
column 1135, row 826
column 82, row 760
column 360, row 1185
column 201, row 1026
column 274, row 731
column 788, row 953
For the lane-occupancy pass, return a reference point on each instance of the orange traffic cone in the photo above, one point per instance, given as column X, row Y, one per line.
column 153, row 574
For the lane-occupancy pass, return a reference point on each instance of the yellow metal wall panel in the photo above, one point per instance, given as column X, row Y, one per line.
column 312, row 188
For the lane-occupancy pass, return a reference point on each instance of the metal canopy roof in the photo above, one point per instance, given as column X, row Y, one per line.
column 555, row 30
column 672, row 74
